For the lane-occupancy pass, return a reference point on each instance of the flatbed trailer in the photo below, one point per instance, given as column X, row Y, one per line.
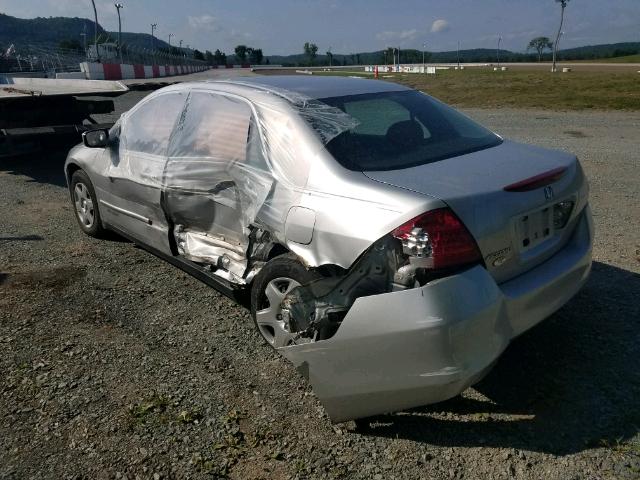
column 36, row 111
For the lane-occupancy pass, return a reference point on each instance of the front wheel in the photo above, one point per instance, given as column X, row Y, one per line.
column 274, row 282
column 85, row 205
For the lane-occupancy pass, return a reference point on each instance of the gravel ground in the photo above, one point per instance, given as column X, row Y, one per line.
column 114, row 364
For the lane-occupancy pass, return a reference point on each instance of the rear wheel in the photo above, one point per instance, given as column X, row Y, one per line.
column 85, row 205
column 274, row 282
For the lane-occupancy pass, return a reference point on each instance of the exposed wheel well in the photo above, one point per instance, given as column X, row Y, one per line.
column 277, row 250
column 71, row 169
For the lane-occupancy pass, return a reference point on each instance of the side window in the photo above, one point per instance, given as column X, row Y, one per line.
column 218, row 127
column 215, row 142
column 149, row 128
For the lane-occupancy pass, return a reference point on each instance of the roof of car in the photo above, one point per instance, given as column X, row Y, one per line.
column 320, row 86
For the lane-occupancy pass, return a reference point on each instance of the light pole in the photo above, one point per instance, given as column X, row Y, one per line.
column 153, row 39
column 153, row 42
column 84, row 38
column 118, row 7
column 424, row 47
column 498, row 50
column 170, row 35
column 394, row 58
column 555, row 50
column 458, row 54
column 95, row 30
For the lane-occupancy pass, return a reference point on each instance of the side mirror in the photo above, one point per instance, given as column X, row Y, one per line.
column 96, row 138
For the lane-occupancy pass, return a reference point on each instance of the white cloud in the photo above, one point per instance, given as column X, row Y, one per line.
column 204, row 22
column 401, row 35
column 439, row 26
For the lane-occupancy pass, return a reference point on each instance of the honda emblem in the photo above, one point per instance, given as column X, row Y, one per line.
column 548, row 193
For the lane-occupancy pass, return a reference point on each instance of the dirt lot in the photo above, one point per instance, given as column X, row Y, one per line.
column 114, row 364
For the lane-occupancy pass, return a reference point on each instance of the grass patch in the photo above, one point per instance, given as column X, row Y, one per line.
column 154, row 404
column 483, row 88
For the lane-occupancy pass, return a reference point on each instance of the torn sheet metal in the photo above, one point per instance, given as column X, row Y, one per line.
column 423, row 345
column 404, row 349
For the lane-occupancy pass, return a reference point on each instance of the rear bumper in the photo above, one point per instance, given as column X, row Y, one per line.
column 405, row 349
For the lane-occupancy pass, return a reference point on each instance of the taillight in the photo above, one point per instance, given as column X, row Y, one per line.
column 439, row 236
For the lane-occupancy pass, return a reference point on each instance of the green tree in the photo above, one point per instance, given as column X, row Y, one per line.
column 330, row 57
column 255, row 56
column 241, row 53
column 311, row 51
column 198, row 55
column 540, row 44
column 563, row 5
column 208, row 56
column 220, row 58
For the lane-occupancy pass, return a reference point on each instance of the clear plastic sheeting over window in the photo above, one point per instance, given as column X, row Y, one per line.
column 211, row 183
column 144, row 137
column 327, row 121
column 222, row 165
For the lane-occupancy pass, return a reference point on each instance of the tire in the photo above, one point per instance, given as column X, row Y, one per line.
column 85, row 205
column 282, row 273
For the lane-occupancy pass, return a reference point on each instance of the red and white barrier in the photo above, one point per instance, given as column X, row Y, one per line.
column 117, row 71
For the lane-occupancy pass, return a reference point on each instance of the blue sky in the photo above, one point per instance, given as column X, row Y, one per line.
column 282, row 26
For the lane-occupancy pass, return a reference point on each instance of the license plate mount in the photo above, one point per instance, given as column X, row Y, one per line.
column 534, row 228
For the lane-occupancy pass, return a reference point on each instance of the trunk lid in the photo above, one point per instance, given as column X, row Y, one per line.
column 514, row 229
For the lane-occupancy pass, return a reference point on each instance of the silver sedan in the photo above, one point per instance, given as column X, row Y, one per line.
column 390, row 246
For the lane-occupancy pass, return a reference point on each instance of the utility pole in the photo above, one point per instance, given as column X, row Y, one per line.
column 563, row 4
column 424, row 47
column 458, row 54
column 95, row 29
column 498, row 50
column 118, row 7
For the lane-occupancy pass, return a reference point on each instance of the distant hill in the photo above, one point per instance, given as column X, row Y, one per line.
column 476, row 55
column 53, row 30
column 610, row 50
column 140, row 40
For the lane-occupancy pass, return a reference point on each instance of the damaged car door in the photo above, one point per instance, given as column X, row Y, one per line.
column 135, row 161
column 214, row 181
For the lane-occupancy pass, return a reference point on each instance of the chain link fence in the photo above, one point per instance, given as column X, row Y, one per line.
column 45, row 58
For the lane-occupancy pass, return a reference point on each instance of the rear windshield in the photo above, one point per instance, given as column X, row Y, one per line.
column 405, row 129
